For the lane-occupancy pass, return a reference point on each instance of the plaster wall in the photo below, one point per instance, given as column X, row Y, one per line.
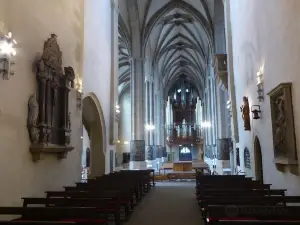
column 98, row 68
column 85, row 145
column 31, row 23
column 266, row 33
column 125, row 121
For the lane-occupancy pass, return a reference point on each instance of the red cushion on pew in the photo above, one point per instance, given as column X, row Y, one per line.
column 84, row 221
column 242, row 218
column 251, row 219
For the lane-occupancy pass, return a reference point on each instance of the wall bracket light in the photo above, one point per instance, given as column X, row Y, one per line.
column 260, row 86
column 7, row 51
column 255, row 109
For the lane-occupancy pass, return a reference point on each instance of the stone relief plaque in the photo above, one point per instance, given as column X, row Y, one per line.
column 247, row 159
column 149, row 152
column 159, row 151
column 137, row 150
column 119, row 159
column 284, row 140
column 223, row 148
column 154, row 147
column 165, row 154
column 237, row 156
column 126, row 157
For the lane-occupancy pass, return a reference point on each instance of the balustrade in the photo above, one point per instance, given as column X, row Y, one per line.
column 177, row 133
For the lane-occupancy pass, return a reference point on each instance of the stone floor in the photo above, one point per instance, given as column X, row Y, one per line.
column 171, row 203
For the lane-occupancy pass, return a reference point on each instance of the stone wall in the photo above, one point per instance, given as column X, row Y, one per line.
column 266, row 36
column 81, row 26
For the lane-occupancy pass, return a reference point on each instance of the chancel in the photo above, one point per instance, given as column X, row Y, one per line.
column 133, row 111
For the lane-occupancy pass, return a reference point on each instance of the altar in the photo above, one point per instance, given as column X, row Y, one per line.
column 184, row 166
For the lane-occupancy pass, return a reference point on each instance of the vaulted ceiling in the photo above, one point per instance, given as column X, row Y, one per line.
column 176, row 36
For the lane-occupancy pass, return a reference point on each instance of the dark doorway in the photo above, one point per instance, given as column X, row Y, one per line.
column 258, row 160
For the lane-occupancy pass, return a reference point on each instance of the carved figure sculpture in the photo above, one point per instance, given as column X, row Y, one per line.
column 52, row 54
column 280, row 124
column 245, row 109
column 33, row 113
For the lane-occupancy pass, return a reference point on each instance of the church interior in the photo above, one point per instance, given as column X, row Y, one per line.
column 149, row 111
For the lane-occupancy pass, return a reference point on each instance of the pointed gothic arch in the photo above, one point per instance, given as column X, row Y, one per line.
column 93, row 121
column 258, row 160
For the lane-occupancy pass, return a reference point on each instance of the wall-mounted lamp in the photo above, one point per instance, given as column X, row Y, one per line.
column 205, row 124
column 149, row 127
column 255, row 109
column 117, row 107
column 79, row 95
column 7, row 51
column 228, row 104
column 260, row 86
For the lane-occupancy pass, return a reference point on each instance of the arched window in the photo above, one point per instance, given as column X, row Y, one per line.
column 247, row 161
column 185, row 150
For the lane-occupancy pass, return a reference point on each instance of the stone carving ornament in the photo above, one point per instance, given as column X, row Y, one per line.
column 33, row 109
column 137, row 150
column 149, row 151
column 280, row 126
column 284, row 140
column 49, row 119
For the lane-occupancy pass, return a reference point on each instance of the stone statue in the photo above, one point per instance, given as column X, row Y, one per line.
column 32, row 120
column 245, row 109
column 52, row 55
column 280, row 124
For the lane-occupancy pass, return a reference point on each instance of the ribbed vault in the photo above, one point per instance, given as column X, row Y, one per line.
column 176, row 36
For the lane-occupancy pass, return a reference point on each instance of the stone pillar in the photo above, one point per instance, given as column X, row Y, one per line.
column 165, row 154
column 137, row 144
column 151, row 113
column 137, row 155
column 147, row 111
column 159, row 155
column 150, row 157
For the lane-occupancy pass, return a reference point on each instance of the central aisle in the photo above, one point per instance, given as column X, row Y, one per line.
column 168, row 204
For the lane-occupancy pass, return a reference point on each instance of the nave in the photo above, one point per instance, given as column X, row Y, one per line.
column 168, row 203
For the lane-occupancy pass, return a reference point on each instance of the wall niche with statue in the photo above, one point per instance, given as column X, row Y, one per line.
column 284, row 140
column 49, row 119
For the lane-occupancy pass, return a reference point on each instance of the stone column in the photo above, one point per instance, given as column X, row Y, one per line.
column 137, row 144
column 231, row 83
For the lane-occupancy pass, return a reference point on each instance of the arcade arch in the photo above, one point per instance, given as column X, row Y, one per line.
column 94, row 124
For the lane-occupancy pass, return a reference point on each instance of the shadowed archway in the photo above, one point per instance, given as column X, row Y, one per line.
column 93, row 121
column 258, row 160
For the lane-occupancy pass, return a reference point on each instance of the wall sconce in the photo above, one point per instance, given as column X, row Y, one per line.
column 7, row 51
column 228, row 106
column 79, row 95
column 260, row 86
column 117, row 116
column 255, row 109
column 149, row 127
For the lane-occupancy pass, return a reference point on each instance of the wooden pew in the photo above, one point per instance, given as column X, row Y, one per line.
column 59, row 214
column 241, row 201
column 103, row 206
column 219, row 213
column 16, row 222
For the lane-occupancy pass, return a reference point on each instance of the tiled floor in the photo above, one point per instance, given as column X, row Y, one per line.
column 171, row 203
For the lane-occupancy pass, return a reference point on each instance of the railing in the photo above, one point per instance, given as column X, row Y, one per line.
column 183, row 133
